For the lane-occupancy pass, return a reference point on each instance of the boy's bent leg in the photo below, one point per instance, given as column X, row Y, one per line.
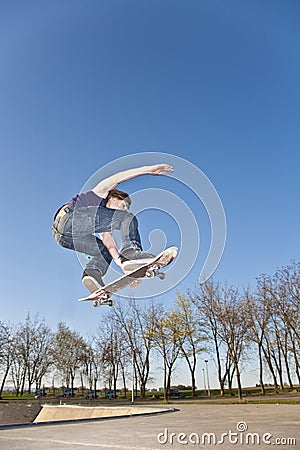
column 131, row 252
column 98, row 264
column 130, row 236
column 109, row 220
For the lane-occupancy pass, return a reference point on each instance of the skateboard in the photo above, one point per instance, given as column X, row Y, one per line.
column 150, row 270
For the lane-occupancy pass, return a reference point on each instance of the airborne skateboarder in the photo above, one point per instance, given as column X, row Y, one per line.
column 86, row 222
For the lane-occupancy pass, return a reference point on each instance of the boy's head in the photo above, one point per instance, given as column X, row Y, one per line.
column 118, row 200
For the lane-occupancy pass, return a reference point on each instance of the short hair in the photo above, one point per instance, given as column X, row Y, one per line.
column 119, row 194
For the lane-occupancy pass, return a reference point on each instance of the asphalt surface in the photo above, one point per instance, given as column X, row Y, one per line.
column 201, row 426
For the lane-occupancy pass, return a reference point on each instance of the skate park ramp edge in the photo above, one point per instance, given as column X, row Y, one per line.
column 58, row 413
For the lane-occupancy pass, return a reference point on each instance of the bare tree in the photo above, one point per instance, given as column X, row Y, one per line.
column 136, row 321
column 234, row 328
column 191, row 335
column 68, row 348
column 225, row 313
column 287, row 296
column 165, row 332
column 284, row 290
column 111, row 341
column 206, row 298
column 91, row 363
column 259, row 316
column 33, row 349
column 278, row 295
column 7, row 351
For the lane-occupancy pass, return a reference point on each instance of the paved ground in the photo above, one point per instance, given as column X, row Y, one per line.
column 266, row 424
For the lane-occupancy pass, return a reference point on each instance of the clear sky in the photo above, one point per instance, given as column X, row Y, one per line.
column 84, row 83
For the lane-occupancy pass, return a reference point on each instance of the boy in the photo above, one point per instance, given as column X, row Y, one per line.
column 102, row 210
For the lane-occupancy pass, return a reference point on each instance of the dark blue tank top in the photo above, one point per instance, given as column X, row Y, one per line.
column 87, row 199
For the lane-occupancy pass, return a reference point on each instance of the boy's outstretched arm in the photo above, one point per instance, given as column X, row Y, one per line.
column 112, row 182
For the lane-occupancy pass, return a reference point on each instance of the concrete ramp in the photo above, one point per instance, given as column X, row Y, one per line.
column 54, row 413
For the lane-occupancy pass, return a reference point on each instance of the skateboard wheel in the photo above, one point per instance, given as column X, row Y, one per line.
column 95, row 303
column 150, row 273
column 161, row 276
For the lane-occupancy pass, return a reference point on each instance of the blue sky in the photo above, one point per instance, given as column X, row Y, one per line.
column 84, row 83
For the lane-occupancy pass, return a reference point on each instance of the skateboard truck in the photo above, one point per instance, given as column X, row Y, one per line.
column 154, row 272
column 105, row 300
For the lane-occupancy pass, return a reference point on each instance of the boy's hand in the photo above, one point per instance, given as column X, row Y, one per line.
column 160, row 169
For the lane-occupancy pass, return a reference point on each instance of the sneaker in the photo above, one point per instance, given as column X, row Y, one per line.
column 92, row 280
column 133, row 258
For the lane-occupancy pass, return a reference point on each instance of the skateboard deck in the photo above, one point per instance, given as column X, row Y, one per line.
column 150, row 270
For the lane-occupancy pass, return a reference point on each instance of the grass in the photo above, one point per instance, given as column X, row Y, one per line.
column 250, row 395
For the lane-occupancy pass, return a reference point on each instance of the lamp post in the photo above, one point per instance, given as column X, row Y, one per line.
column 207, row 377
column 133, row 377
column 204, row 384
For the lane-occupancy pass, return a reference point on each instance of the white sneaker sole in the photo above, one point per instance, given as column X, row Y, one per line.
column 136, row 263
column 91, row 284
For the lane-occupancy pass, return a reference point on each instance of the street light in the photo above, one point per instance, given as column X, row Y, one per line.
column 204, row 384
column 207, row 377
column 133, row 377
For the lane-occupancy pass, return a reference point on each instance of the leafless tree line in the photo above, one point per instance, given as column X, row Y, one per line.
column 233, row 326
